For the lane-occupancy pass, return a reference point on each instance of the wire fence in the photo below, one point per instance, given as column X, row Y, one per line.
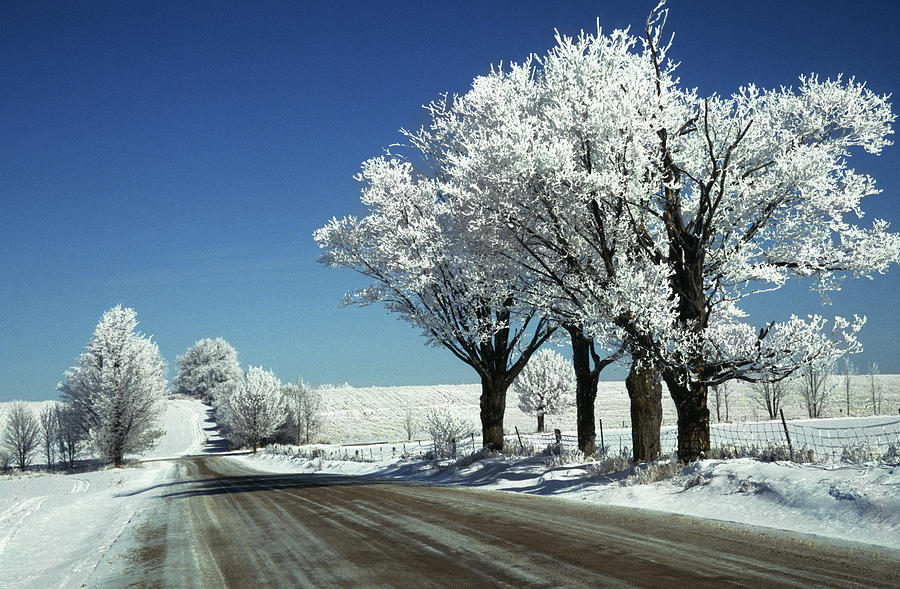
column 790, row 440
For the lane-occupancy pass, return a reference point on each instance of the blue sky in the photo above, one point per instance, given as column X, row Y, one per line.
column 176, row 158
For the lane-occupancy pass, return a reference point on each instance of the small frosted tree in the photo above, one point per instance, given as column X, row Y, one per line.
column 816, row 387
column 117, row 387
column 875, row 388
column 847, row 372
column 208, row 367
column 446, row 432
column 769, row 395
column 49, row 431
column 256, row 409
column 720, row 394
column 545, row 386
column 69, row 434
column 21, row 434
column 409, row 423
column 305, row 409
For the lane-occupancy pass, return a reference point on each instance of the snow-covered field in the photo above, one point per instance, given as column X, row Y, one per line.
column 56, row 528
column 367, row 414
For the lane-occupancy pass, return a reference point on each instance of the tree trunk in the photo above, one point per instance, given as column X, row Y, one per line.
column 585, row 390
column 540, row 423
column 493, row 407
column 693, row 419
column 645, row 391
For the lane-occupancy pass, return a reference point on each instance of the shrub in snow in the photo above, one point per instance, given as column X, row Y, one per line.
column 564, row 457
column 446, row 432
column 768, row 452
column 892, row 455
column 256, row 410
column 857, row 453
column 117, row 386
column 651, row 472
column 545, row 386
column 610, row 462
column 21, row 435
column 208, row 368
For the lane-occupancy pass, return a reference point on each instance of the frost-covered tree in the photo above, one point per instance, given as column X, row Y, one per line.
column 674, row 207
column 410, row 425
column 846, row 381
column 546, row 386
column 306, row 410
column 69, row 433
column 446, row 431
column 720, row 395
column 427, row 271
column 257, row 408
column 875, row 387
column 208, row 368
column 816, row 386
column 770, row 395
column 49, row 432
column 21, row 435
column 117, row 387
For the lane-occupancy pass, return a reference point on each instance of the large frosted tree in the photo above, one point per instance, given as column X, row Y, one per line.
column 116, row 387
column 208, row 368
column 423, row 269
column 655, row 211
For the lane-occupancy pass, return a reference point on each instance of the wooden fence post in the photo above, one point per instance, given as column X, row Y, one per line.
column 786, row 434
column 602, row 445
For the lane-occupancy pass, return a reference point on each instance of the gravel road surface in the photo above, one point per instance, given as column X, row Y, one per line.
column 221, row 524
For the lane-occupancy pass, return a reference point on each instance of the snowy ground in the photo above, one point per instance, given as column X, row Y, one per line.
column 56, row 528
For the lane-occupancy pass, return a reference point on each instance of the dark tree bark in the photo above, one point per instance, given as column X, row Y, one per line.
column 540, row 418
column 693, row 418
column 645, row 391
column 587, row 365
column 493, row 408
column 586, row 379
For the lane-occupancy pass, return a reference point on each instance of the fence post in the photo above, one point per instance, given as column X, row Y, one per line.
column 602, row 444
column 786, row 434
column 521, row 445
